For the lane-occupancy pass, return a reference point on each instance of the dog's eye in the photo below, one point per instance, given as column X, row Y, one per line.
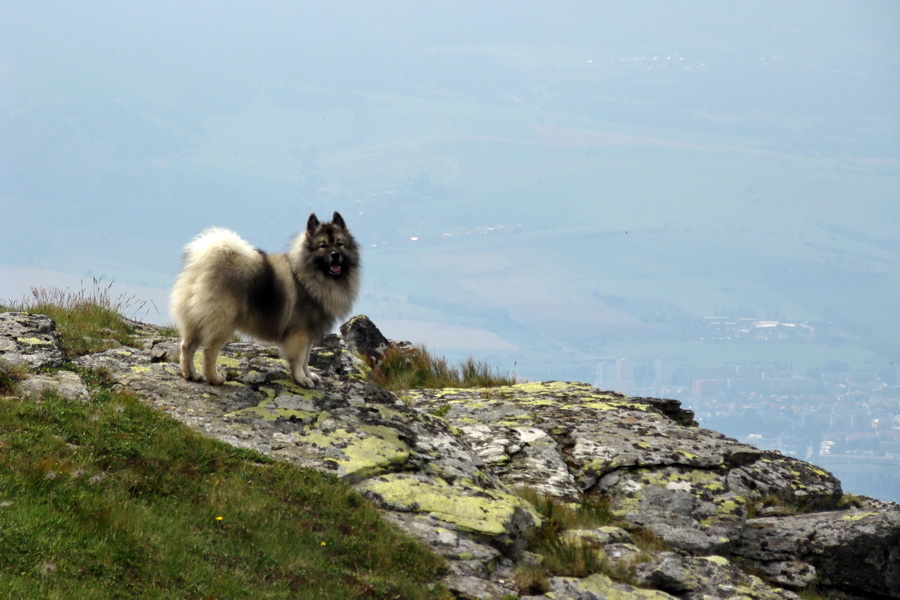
column 322, row 246
column 340, row 244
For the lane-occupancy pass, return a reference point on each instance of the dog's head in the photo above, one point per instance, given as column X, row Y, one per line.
column 333, row 249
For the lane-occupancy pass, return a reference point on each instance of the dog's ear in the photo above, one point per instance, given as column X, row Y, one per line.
column 338, row 220
column 312, row 224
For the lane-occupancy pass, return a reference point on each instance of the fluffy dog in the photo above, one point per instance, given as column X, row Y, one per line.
column 292, row 298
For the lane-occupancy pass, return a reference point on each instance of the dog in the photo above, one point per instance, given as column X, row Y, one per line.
column 292, row 298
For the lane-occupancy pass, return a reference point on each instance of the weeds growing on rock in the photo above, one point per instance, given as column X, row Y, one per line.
column 591, row 512
column 10, row 375
column 531, row 579
column 562, row 556
column 570, row 556
column 87, row 321
column 415, row 367
column 850, row 501
column 771, row 504
column 567, row 558
column 813, row 593
column 646, row 540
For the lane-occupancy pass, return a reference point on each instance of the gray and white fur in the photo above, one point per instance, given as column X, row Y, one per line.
column 291, row 298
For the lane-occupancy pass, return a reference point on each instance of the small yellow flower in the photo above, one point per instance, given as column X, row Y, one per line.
column 324, row 543
column 219, row 518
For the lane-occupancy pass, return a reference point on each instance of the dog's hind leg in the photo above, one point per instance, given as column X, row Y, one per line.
column 297, row 348
column 211, row 350
column 189, row 345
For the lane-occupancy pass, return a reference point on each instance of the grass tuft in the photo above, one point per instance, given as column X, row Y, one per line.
column 850, row 501
column 531, row 580
column 88, row 321
column 415, row 368
column 566, row 557
column 591, row 512
column 10, row 375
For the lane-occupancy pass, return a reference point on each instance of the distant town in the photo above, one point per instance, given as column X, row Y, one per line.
column 846, row 419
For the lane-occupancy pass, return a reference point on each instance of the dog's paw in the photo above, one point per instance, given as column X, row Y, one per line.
column 215, row 380
column 191, row 377
column 304, row 381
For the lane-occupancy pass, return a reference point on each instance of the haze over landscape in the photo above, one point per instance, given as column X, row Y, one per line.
column 693, row 200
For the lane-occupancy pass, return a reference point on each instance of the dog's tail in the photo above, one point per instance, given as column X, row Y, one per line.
column 216, row 244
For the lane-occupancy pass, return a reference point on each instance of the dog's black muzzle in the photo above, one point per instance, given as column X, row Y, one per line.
column 337, row 259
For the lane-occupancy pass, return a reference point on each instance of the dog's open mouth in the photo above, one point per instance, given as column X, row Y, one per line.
column 334, row 269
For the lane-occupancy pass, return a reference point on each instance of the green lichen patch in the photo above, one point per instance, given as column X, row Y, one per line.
column 490, row 512
column 227, row 361
column 858, row 516
column 713, row 503
column 33, row 341
column 369, row 451
column 607, row 588
column 379, row 449
column 715, row 559
column 224, row 361
column 565, row 398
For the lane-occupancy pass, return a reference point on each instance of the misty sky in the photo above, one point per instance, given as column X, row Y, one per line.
column 127, row 128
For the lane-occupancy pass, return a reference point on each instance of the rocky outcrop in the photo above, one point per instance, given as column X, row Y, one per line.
column 730, row 520
column 694, row 488
column 855, row 550
column 29, row 340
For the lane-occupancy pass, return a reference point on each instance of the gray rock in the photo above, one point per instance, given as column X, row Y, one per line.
column 597, row 537
column 30, row 340
column 704, row 577
column 362, row 337
column 667, row 572
column 856, row 550
column 790, row 573
column 690, row 486
column 65, row 383
column 596, row 587
column 524, row 457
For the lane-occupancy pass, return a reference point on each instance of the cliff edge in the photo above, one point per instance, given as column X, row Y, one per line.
column 727, row 520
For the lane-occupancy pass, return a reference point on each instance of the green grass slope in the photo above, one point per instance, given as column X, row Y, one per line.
column 108, row 498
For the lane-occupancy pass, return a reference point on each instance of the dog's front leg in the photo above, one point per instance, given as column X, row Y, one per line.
column 297, row 348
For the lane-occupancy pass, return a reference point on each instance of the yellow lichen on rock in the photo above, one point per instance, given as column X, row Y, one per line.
column 380, row 450
column 607, row 588
column 491, row 512
column 33, row 341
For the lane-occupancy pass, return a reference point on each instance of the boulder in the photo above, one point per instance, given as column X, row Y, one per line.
column 362, row 337
column 703, row 577
column 65, row 383
column 856, row 550
column 30, row 340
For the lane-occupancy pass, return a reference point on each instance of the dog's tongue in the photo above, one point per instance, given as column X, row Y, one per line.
column 336, row 269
